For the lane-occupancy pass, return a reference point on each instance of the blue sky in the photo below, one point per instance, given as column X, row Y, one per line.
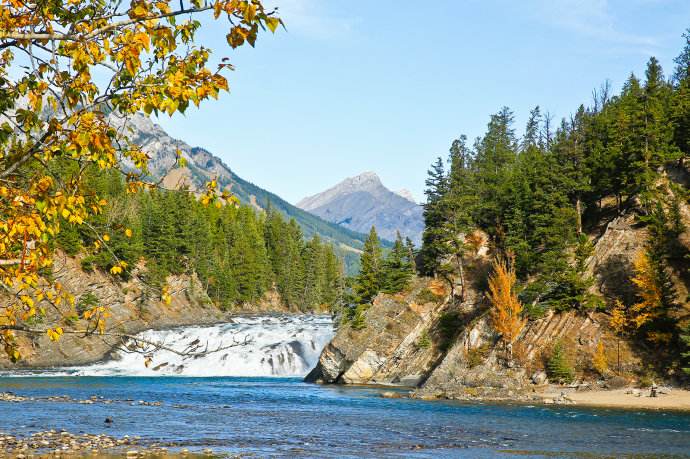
column 386, row 85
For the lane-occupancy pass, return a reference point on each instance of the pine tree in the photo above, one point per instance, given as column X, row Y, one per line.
column 397, row 268
column 682, row 71
column 409, row 247
column 685, row 339
column 558, row 368
column 572, row 159
column 496, row 152
column 68, row 238
column 434, row 218
column 658, row 132
column 369, row 281
column 532, row 131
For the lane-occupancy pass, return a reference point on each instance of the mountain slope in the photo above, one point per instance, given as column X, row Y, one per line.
column 202, row 166
column 359, row 202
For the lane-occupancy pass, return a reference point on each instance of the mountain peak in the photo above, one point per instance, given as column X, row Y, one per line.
column 366, row 175
column 361, row 201
column 407, row 194
column 367, row 178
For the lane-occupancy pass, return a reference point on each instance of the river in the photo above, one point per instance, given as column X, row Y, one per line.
column 264, row 408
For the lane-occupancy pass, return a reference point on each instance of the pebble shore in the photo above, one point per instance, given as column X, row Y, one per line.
column 54, row 444
column 13, row 398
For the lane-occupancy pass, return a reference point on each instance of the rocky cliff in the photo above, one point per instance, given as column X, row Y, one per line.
column 444, row 347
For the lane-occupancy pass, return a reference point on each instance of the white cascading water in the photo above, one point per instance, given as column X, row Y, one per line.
column 276, row 346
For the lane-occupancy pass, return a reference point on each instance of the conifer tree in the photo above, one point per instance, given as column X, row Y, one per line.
column 682, row 70
column 685, row 339
column 532, row 131
column 558, row 368
column 397, row 267
column 369, row 281
column 434, row 218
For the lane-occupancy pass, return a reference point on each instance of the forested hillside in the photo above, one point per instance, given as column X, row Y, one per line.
column 545, row 197
column 177, row 163
column 238, row 253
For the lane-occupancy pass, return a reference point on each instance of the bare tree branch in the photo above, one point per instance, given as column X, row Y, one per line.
column 189, row 352
column 57, row 36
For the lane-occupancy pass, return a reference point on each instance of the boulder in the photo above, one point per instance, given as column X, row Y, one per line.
column 539, row 378
column 331, row 364
column 364, row 368
column 617, row 382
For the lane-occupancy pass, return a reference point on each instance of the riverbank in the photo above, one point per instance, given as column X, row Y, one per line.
column 668, row 399
column 52, row 443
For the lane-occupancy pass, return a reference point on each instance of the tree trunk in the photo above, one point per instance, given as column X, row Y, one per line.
column 462, row 279
column 578, row 209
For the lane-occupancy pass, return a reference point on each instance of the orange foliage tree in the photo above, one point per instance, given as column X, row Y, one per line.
column 648, row 290
column 651, row 304
column 66, row 67
column 506, row 307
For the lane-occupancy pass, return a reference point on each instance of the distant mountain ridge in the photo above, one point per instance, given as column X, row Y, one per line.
column 202, row 166
column 360, row 202
column 407, row 194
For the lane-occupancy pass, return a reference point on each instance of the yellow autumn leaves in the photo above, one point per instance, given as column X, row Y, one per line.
column 650, row 304
column 54, row 333
column 506, row 307
column 118, row 268
column 139, row 56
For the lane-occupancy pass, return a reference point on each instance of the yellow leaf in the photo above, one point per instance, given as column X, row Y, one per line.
column 272, row 24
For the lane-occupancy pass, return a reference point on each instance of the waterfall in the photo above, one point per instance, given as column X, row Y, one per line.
column 275, row 346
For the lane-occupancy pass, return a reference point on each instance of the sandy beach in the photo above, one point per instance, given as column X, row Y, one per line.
column 677, row 399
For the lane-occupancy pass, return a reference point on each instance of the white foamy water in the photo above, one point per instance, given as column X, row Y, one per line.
column 278, row 346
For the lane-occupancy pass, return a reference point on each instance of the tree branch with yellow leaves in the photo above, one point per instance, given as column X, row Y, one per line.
column 53, row 111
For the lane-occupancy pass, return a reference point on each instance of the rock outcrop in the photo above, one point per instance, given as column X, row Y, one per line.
column 387, row 350
column 447, row 348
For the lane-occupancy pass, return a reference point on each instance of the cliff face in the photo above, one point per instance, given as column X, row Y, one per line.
column 131, row 310
column 447, row 348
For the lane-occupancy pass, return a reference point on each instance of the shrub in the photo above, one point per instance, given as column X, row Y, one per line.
column 558, row 368
column 358, row 322
column 69, row 239
column 476, row 356
column 599, row 361
column 424, row 341
column 86, row 302
column 427, row 296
